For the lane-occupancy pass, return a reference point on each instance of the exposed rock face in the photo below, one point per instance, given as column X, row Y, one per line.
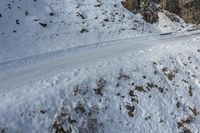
column 189, row 10
column 147, row 9
column 131, row 5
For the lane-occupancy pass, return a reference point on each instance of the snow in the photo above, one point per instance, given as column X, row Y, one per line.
column 22, row 35
column 69, row 97
column 165, row 24
column 120, row 75
column 110, row 21
column 19, row 72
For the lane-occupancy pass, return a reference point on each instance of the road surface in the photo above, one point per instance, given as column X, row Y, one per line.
column 14, row 74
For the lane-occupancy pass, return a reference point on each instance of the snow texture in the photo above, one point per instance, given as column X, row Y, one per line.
column 78, row 66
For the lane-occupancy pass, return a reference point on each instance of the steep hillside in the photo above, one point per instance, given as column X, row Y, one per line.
column 152, row 90
column 38, row 26
column 97, row 66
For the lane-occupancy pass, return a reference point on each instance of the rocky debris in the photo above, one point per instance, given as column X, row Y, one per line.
column 83, row 30
column 130, row 110
column 184, row 122
column 101, row 83
column 172, row 16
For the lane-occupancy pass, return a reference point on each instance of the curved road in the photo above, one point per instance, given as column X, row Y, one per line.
column 14, row 74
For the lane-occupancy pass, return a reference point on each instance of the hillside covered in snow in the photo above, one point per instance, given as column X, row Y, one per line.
column 34, row 27
column 92, row 66
column 152, row 89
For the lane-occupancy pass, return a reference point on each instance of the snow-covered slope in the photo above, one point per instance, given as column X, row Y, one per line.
column 155, row 89
column 166, row 25
column 33, row 27
column 56, row 75
column 68, row 24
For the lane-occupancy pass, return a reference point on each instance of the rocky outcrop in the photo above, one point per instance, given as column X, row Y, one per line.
column 146, row 8
column 189, row 10
column 131, row 5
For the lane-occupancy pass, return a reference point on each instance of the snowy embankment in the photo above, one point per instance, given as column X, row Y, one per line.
column 29, row 28
column 77, row 66
column 39, row 26
column 155, row 89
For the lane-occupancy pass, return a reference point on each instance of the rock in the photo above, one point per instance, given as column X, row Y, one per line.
column 149, row 12
column 150, row 16
column 147, row 9
column 189, row 10
column 172, row 16
column 90, row 126
column 43, row 24
column 131, row 5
